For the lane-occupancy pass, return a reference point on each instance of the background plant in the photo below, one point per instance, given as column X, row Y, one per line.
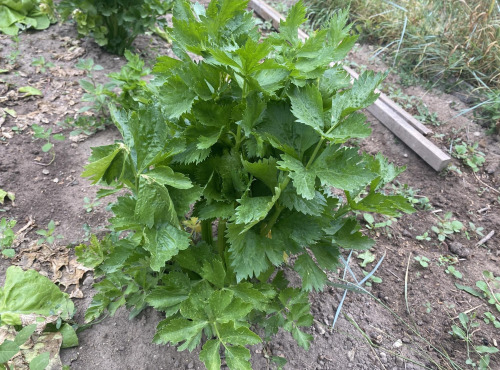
column 7, row 236
column 46, row 135
column 16, row 16
column 114, row 24
column 251, row 139
column 48, row 235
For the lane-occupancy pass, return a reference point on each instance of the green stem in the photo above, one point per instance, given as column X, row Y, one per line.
column 277, row 211
column 206, row 232
column 221, row 239
column 238, row 139
column 313, row 156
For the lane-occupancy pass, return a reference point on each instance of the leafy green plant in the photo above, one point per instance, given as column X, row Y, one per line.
column 16, row 16
column 474, row 229
column 7, row 237
column 469, row 155
column 251, row 140
column 42, row 64
column 6, row 195
column 48, row 235
column 489, row 289
column 46, row 135
column 447, row 226
column 428, row 307
column 422, row 260
column 114, row 24
column 490, row 318
column 366, row 257
column 417, row 200
column 453, row 271
column 96, row 94
column 465, row 331
column 425, row 236
column 89, row 205
column 31, row 300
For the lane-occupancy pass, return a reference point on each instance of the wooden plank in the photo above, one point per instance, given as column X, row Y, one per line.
column 429, row 152
column 384, row 109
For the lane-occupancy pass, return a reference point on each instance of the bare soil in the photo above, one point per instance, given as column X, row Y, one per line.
column 432, row 303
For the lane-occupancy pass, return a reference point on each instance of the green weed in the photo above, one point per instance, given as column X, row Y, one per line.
column 469, row 155
column 7, row 237
column 48, row 235
column 46, row 135
column 41, row 64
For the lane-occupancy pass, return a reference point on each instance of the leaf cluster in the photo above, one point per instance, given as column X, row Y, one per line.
column 30, row 302
column 114, row 25
column 16, row 16
column 252, row 139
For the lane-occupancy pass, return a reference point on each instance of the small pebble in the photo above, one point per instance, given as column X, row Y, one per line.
column 56, row 180
column 45, row 172
column 398, row 343
column 383, row 357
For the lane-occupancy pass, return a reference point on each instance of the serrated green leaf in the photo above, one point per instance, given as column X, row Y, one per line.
column 214, row 272
column 264, row 170
column 176, row 97
column 312, row 276
column 154, row 204
column 391, row 205
column 210, row 356
column 237, row 336
column 353, row 126
column 246, row 292
column 349, row 237
column 101, row 160
column 238, row 358
column 252, row 209
column 164, row 175
column 164, row 242
column 244, row 247
column 327, row 255
column 175, row 291
column 291, row 200
column 215, row 210
column 289, row 28
column 178, row 330
column 280, row 127
column 307, row 106
column 342, row 168
column 303, row 180
column 303, row 339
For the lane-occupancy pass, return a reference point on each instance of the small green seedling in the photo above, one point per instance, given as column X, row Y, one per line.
column 428, row 307
column 89, row 205
column 40, row 133
column 489, row 318
column 7, row 237
column 447, row 226
column 473, row 229
column 366, row 257
column 425, row 236
column 464, row 332
column 469, row 155
column 48, row 234
column 41, row 64
column 453, row 271
column 424, row 261
column 373, row 279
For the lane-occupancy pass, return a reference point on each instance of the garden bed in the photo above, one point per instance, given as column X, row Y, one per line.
column 432, row 302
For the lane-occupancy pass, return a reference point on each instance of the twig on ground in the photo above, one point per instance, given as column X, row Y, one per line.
column 486, row 238
column 406, row 285
column 485, row 184
column 469, row 310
